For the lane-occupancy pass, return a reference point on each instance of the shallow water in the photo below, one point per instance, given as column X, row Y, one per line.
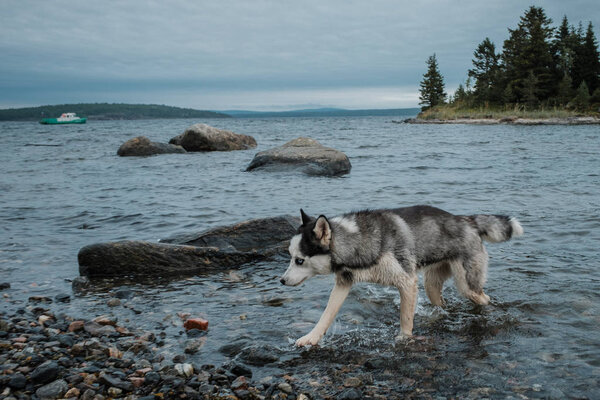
column 63, row 187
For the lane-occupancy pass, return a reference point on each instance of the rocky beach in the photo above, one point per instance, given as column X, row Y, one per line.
column 508, row 121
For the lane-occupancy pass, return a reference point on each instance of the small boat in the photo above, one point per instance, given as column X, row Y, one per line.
column 65, row 118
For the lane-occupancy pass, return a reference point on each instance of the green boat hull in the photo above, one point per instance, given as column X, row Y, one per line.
column 55, row 121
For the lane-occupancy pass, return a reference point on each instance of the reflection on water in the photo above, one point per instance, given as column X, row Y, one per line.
column 538, row 338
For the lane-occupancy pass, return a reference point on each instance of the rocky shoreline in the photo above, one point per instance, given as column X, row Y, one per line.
column 54, row 356
column 509, row 121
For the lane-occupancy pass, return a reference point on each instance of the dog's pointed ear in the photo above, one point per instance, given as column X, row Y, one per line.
column 322, row 231
column 305, row 218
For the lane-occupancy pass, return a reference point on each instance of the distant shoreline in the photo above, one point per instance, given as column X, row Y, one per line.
column 509, row 121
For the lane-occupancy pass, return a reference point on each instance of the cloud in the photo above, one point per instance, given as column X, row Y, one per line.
column 261, row 47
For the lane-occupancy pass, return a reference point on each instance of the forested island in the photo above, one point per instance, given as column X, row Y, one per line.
column 106, row 111
column 542, row 72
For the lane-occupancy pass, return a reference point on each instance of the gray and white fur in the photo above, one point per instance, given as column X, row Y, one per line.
column 389, row 247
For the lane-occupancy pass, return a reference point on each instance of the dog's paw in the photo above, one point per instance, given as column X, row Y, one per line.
column 310, row 339
column 403, row 337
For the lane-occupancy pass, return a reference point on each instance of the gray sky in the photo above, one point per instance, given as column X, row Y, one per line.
column 240, row 54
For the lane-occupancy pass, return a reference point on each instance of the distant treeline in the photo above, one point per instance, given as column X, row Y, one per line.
column 539, row 66
column 326, row 112
column 106, row 111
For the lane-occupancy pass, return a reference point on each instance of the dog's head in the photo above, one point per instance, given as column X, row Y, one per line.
column 310, row 251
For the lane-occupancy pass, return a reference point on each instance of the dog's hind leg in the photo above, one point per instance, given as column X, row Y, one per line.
column 434, row 278
column 470, row 275
column 336, row 299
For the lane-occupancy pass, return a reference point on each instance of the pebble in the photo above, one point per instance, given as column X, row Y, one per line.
column 17, row 381
column 114, row 302
column 352, row 382
column 349, row 394
column 241, row 370
column 114, row 392
column 80, row 283
column 76, row 326
column 123, row 293
column 62, row 298
column 184, row 369
column 54, row 390
column 196, row 323
column 44, row 373
column 285, row 387
column 73, row 392
column 240, row 383
column 95, row 329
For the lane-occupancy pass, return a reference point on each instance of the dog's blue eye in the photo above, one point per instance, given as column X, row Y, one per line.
column 299, row 261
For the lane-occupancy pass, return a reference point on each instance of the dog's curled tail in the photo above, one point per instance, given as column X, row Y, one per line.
column 497, row 228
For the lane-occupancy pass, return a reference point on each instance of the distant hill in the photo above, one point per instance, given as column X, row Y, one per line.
column 325, row 112
column 106, row 111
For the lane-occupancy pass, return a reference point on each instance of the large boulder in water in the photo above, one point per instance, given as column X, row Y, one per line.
column 306, row 154
column 209, row 251
column 201, row 137
column 142, row 146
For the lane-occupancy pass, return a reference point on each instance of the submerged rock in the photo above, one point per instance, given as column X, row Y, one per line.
column 305, row 154
column 260, row 354
column 202, row 137
column 209, row 251
column 142, row 146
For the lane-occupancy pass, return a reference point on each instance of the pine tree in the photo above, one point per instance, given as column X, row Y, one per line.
column 460, row 95
column 564, row 46
column 432, row 86
column 595, row 99
column 590, row 59
column 565, row 90
column 530, row 90
column 486, row 72
column 528, row 50
column 581, row 101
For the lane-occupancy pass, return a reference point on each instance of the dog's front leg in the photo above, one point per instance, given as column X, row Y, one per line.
column 336, row 299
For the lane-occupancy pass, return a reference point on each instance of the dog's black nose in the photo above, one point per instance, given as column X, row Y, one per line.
column 282, row 281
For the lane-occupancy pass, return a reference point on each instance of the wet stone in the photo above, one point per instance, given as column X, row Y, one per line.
column 123, row 293
column 17, row 381
column 54, row 390
column 76, row 326
column 349, row 394
column 151, row 378
column 240, row 383
column 285, row 387
column 234, row 348
column 80, row 283
column 45, row 372
column 193, row 333
column 352, row 382
column 193, row 346
column 260, row 354
column 62, row 298
column 113, row 381
column 95, row 329
column 114, row 302
column 241, row 370
column 40, row 299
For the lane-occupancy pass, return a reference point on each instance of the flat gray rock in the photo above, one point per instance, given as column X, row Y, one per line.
column 142, row 146
column 305, row 154
column 209, row 251
column 202, row 137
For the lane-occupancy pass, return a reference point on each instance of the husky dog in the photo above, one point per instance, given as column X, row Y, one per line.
column 389, row 247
